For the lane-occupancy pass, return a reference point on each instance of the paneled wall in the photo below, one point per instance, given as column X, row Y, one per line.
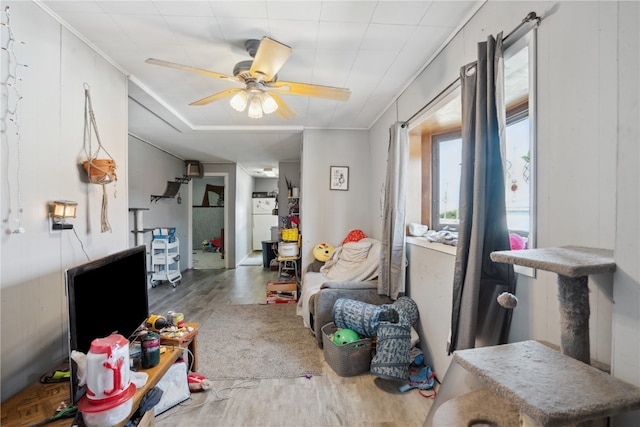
column 42, row 150
column 207, row 224
column 587, row 84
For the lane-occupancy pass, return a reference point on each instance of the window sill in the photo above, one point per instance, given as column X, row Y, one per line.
column 439, row 247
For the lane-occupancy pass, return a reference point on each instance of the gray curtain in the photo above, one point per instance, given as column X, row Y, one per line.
column 391, row 280
column 477, row 320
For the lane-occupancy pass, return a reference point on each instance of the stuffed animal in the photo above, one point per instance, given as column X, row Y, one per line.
column 322, row 251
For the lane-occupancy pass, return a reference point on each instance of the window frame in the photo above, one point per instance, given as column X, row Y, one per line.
column 425, row 138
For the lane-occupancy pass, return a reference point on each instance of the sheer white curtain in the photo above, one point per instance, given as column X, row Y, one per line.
column 391, row 281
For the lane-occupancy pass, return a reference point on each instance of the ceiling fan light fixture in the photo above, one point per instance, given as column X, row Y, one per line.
column 269, row 104
column 239, row 101
column 255, row 107
column 260, row 75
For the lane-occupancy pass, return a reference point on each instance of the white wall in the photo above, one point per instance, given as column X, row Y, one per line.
column 587, row 164
column 149, row 170
column 51, row 119
column 626, row 290
column 429, row 280
column 329, row 215
column 244, row 220
column 265, row 184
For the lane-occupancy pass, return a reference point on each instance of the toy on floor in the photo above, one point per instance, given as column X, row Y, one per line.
column 425, row 380
column 214, row 245
column 198, row 383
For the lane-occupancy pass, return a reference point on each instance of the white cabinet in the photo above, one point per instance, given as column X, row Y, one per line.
column 165, row 261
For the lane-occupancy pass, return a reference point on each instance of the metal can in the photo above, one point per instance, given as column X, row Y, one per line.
column 176, row 319
column 150, row 349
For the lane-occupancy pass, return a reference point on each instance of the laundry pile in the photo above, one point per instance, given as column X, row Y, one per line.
column 445, row 236
column 396, row 354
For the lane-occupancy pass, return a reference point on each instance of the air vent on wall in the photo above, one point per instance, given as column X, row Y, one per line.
column 194, row 169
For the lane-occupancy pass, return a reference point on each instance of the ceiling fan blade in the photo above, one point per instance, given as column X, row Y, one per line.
column 284, row 111
column 217, row 96
column 270, row 57
column 195, row 70
column 305, row 89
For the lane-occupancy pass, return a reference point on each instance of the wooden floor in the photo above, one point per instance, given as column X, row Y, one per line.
column 325, row 400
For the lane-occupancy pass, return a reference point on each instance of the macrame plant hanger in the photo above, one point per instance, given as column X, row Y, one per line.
column 100, row 171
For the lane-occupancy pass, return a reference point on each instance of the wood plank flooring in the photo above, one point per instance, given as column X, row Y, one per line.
column 325, row 400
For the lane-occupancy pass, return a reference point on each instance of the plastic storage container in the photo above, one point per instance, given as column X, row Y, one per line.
column 268, row 252
column 290, row 234
column 288, row 249
column 349, row 359
column 165, row 233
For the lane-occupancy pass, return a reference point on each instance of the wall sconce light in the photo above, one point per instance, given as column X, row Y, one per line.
column 60, row 211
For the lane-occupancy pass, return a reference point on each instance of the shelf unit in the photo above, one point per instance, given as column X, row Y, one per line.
column 293, row 210
column 165, row 261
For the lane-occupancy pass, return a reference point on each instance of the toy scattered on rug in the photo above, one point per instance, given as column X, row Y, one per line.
column 198, row 383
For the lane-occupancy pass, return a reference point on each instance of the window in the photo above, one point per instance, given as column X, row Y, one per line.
column 447, row 162
column 517, row 174
column 446, row 152
column 438, row 133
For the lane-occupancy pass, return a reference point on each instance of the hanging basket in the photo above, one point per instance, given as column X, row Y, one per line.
column 100, row 171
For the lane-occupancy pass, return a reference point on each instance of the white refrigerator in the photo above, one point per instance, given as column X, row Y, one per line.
column 263, row 220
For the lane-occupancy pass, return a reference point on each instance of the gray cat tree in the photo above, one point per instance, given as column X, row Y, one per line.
column 528, row 383
column 573, row 265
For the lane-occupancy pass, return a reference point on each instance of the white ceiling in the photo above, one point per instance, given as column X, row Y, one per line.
column 373, row 48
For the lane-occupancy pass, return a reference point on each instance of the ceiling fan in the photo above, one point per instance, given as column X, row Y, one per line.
column 261, row 86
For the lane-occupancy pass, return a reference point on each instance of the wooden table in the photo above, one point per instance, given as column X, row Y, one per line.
column 39, row 401
column 189, row 341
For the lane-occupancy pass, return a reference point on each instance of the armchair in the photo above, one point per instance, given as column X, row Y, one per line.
column 351, row 272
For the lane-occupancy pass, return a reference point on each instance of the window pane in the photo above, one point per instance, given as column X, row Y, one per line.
column 517, row 174
column 448, row 167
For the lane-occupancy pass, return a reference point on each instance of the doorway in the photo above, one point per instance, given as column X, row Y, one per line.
column 208, row 219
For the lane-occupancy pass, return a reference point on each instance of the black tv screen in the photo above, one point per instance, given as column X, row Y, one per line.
column 105, row 296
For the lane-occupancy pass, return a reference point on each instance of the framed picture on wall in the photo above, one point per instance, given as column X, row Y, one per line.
column 339, row 178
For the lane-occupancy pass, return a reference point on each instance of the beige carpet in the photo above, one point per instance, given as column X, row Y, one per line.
column 256, row 341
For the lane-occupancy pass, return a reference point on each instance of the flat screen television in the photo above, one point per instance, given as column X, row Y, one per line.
column 105, row 296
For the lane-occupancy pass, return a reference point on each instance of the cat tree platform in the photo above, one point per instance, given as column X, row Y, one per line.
column 548, row 388
column 573, row 265
column 478, row 406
